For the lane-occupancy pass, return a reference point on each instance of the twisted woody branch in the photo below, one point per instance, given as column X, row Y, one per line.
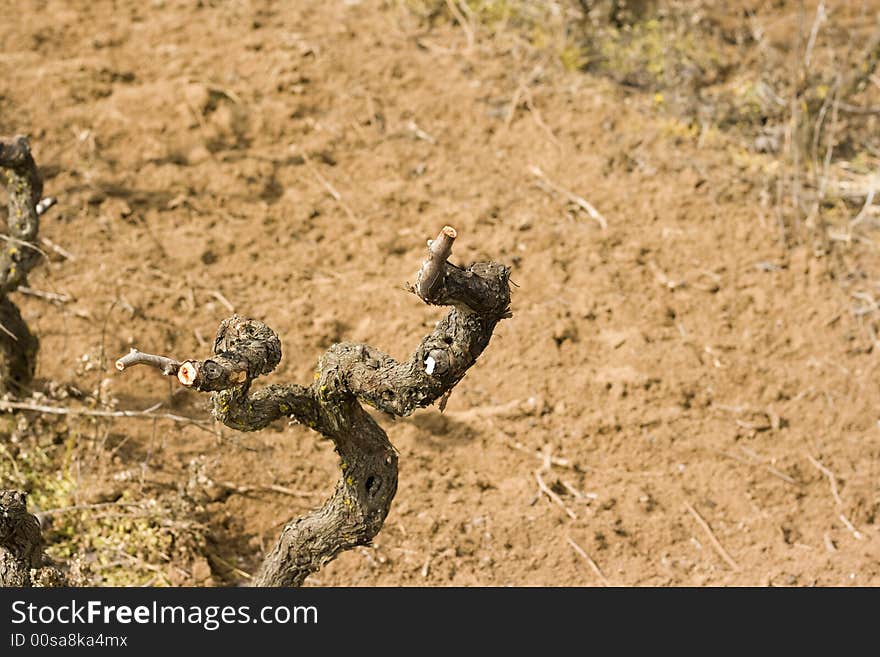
column 347, row 375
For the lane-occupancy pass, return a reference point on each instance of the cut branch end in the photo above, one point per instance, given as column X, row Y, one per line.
column 188, row 373
column 430, row 276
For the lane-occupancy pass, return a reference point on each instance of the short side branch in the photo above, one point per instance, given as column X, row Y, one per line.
column 168, row 366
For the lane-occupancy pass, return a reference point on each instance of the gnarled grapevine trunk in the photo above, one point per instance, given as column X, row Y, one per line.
column 347, row 375
column 18, row 254
column 21, row 543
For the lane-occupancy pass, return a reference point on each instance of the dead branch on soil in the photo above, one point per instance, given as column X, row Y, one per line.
column 418, row 133
column 592, row 564
column 832, row 480
column 546, row 490
column 327, row 185
column 52, row 297
column 714, row 539
column 554, row 460
column 756, row 462
column 148, row 413
column 579, row 201
column 233, row 568
column 467, row 26
column 348, row 375
column 269, row 488
column 542, row 486
column 523, row 92
column 48, row 513
column 64, row 253
column 223, row 300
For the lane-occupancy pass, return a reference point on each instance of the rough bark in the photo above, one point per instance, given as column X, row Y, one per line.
column 18, row 254
column 21, row 543
column 348, row 374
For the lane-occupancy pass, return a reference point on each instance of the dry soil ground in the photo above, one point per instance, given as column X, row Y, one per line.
column 707, row 399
